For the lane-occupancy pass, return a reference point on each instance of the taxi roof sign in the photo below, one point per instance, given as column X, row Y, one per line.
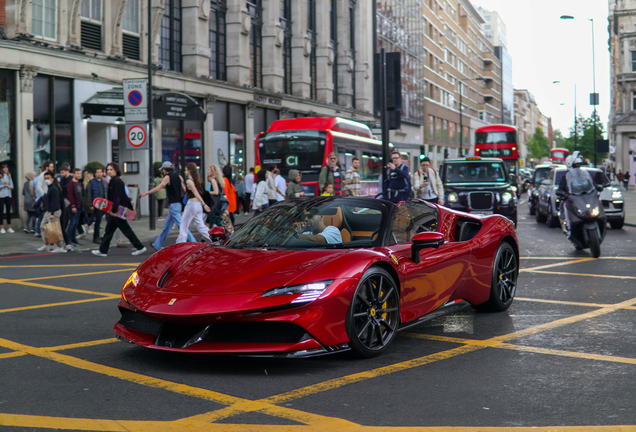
column 473, row 158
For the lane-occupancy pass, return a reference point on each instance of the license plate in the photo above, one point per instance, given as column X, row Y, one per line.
column 482, row 212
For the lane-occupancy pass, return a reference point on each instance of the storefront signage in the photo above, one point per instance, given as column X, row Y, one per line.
column 177, row 106
column 89, row 109
column 136, row 136
column 135, row 100
column 267, row 100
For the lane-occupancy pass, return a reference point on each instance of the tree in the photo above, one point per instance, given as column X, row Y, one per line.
column 585, row 138
column 538, row 145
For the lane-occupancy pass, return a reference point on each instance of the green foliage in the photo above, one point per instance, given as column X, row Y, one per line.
column 156, row 168
column 585, row 138
column 92, row 166
column 538, row 145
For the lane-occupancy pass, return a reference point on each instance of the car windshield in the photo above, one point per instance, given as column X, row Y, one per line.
column 320, row 222
column 541, row 174
column 580, row 182
column 472, row 172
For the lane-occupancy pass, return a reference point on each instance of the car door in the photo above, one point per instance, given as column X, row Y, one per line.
column 428, row 284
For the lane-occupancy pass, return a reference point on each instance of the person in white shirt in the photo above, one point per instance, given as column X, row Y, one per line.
column 260, row 201
column 249, row 187
column 427, row 184
column 281, row 185
column 316, row 231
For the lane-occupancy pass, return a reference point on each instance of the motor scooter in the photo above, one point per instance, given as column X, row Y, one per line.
column 588, row 222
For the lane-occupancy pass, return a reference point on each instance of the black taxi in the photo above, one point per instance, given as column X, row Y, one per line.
column 480, row 186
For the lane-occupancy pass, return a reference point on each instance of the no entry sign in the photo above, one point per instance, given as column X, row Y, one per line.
column 136, row 136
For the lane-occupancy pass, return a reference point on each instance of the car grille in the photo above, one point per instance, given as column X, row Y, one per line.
column 179, row 335
column 480, row 200
column 605, row 204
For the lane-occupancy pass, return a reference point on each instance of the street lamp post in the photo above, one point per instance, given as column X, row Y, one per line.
column 461, row 116
column 594, row 96
column 576, row 130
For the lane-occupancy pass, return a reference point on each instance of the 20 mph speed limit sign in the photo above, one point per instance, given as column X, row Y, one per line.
column 136, row 136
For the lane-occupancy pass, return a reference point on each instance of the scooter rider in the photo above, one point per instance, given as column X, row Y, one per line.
column 574, row 175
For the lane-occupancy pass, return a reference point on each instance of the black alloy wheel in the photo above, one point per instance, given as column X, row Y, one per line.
column 504, row 279
column 552, row 221
column 374, row 314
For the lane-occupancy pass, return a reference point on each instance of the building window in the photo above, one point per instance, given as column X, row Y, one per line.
column 311, row 33
column 256, row 42
column 131, row 40
column 633, row 53
column 170, row 36
column 285, row 22
column 352, row 47
column 217, row 40
column 44, row 18
column 91, row 25
column 333, row 22
column 634, row 101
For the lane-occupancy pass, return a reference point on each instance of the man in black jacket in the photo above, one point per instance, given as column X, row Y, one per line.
column 117, row 195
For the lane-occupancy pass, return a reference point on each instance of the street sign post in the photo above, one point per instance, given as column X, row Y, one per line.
column 135, row 100
column 136, row 136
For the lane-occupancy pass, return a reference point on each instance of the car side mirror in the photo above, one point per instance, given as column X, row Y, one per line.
column 425, row 240
column 217, row 233
column 599, row 188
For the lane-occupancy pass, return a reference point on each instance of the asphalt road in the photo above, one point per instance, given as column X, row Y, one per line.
column 564, row 355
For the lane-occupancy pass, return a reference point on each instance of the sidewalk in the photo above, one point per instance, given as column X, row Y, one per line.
column 630, row 207
column 23, row 243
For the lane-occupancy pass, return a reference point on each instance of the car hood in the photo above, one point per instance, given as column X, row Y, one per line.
column 219, row 271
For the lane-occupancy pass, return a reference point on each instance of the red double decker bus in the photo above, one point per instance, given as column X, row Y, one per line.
column 499, row 141
column 558, row 155
column 304, row 144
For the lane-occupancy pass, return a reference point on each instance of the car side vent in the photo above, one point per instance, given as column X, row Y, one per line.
column 162, row 280
column 466, row 229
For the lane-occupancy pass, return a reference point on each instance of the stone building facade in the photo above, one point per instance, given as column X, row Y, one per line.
column 245, row 63
column 461, row 68
column 622, row 121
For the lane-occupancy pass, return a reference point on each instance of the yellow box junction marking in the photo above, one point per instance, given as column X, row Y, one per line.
column 270, row 405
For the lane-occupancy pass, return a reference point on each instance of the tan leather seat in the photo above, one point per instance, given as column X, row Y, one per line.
column 336, row 220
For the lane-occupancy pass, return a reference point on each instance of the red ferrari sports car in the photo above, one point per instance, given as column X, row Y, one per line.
column 320, row 275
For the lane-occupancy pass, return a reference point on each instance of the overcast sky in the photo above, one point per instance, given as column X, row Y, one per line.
column 545, row 48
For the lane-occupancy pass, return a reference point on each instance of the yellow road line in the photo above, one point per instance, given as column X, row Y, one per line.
column 57, row 288
column 488, row 344
column 209, row 395
column 569, row 258
column 578, row 274
column 563, row 302
column 17, row 309
column 532, row 269
column 66, row 423
column 76, row 274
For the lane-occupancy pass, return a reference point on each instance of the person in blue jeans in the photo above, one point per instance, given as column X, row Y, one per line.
column 175, row 188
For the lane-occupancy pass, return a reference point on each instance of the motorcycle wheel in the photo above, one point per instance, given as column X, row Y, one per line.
column 595, row 243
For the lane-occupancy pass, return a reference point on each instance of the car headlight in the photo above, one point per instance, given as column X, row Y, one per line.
column 133, row 279
column 514, row 188
column 309, row 292
column 617, row 195
column 505, row 198
column 595, row 211
column 452, row 197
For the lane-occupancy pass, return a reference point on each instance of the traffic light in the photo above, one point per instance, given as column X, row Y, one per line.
column 422, row 152
column 445, row 153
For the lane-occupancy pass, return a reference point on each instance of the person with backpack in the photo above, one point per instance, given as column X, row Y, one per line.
column 399, row 184
column 175, row 188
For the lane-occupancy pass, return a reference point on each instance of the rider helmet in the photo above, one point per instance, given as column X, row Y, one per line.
column 574, row 160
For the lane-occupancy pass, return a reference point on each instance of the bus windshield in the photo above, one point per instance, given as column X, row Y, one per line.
column 293, row 149
column 495, row 138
